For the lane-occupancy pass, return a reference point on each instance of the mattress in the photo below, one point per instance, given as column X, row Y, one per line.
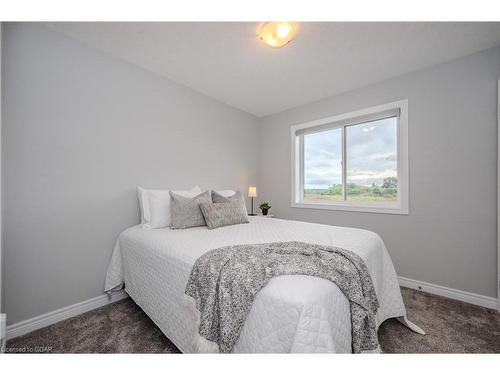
column 291, row 314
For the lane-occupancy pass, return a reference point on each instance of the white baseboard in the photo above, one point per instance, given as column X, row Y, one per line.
column 52, row 317
column 3, row 332
column 3, row 323
column 460, row 295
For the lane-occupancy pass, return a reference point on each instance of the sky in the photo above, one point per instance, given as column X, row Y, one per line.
column 371, row 155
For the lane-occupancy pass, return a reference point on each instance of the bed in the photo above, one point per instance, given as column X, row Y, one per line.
column 291, row 314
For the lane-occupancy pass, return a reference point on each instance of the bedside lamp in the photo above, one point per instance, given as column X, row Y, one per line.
column 252, row 193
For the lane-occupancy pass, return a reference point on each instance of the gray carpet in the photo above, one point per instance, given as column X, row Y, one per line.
column 122, row 327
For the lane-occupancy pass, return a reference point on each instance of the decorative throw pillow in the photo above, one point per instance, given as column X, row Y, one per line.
column 155, row 205
column 186, row 212
column 223, row 214
column 217, row 197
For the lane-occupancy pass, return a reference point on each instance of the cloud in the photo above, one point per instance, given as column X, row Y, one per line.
column 317, row 181
column 371, row 154
column 370, row 175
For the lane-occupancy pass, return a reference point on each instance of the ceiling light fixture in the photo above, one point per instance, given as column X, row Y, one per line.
column 277, row 34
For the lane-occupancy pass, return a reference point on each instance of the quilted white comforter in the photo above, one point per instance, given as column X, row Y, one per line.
column 290, row 314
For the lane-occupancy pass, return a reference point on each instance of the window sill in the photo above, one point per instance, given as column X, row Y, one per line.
column 352, row 206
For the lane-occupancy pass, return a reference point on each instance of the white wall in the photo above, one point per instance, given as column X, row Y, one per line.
column 1, row 226
column 449, row 237
column 81, row 130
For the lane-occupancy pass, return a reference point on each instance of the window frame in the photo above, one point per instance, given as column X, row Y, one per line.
column 400, row 206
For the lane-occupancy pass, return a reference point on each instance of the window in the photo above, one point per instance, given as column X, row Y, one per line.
column 355, row 162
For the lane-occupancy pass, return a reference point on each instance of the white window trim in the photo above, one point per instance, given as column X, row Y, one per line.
column 400, row 207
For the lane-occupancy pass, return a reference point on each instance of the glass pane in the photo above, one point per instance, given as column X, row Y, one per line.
column 372, row 165
column 323, row 165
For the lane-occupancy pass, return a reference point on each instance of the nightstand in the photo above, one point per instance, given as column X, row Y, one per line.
column 268, row 215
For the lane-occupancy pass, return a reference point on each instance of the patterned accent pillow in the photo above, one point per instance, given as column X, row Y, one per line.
column 186, row 212
column 237, row 197
column 223, row 214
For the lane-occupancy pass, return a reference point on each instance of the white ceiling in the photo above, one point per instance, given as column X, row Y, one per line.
column 227, row 61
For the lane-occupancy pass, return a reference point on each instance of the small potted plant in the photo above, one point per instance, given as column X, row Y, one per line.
column 264, row 206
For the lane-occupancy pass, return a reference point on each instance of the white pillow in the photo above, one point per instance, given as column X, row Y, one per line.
column 225, row 193
column 155, row 205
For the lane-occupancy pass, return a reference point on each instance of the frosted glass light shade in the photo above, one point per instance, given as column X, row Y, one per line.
column 252, row 192
column 277, row 34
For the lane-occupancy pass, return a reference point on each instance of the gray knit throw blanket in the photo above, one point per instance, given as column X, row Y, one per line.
column 225, row 281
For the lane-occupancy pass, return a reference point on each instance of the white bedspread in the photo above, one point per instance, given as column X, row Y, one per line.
column 290, row 314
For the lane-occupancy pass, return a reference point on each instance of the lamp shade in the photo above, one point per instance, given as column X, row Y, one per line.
column 252, row 192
